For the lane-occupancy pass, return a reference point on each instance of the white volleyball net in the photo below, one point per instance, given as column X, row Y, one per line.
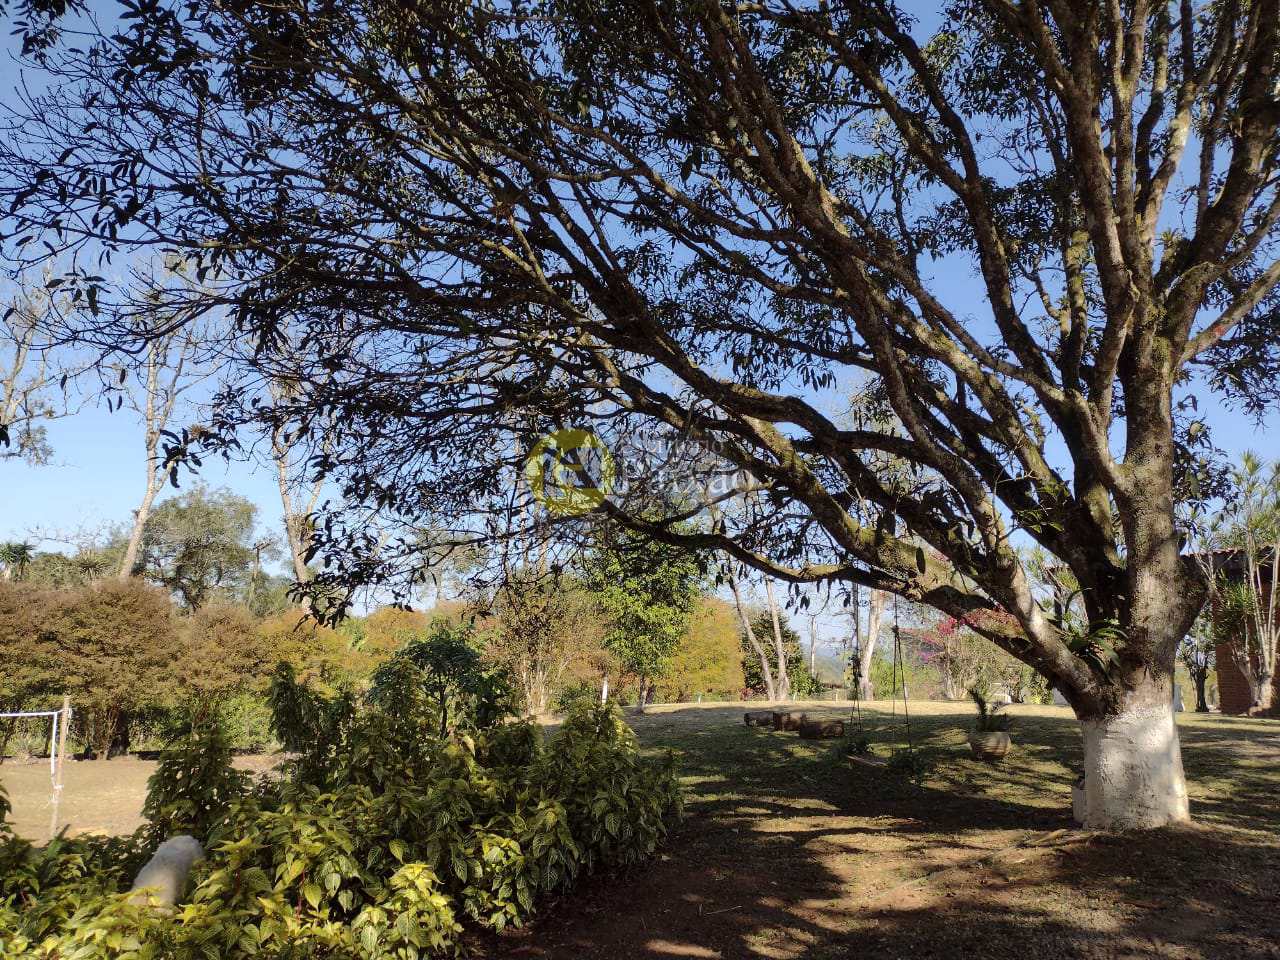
column 40, row 736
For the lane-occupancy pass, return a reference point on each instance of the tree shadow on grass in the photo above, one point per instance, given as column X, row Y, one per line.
column 789, row 851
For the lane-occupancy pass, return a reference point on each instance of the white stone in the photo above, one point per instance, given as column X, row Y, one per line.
column 163, row 879
column 1058, row 699
column 1133, row 770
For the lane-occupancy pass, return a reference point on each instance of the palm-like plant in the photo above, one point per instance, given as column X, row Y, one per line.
column 990, row 719
column 16, row 557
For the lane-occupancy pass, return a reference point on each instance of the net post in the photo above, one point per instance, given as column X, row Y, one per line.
column 63, row 721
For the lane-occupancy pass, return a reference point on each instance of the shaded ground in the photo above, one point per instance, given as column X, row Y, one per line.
column 98, row 796
column 790, row 851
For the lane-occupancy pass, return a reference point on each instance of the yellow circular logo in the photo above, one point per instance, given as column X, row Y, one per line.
column 570, row 471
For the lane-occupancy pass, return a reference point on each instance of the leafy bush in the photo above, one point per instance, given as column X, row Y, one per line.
column 567, row 698
column 511, row 745
column 247, row 720
column 194, row 783
column 441, row 674
column 309, row 724
column 383, row 854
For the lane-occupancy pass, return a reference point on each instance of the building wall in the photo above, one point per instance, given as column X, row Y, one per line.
column 1233, row 688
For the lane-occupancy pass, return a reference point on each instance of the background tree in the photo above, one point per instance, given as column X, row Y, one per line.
column 803, row 685
column 29, row 667
column 963, row 659
column 15, row 560
column 298, row 498
column 115, row 652
column 758, row 658
column 538, row 628
column 1249, row 603
column 441, row 671
column 314, row 651
column 702, row 218
column 32, row 384
column 646, row 591
column 1198, row 654
column 865, row 641
column 155, row 388
column 200, row 544
column 783, row 665
column 708, row 660
column 388, row 628
column 221, row 653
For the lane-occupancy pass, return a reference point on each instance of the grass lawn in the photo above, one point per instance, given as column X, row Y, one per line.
column 790, row 851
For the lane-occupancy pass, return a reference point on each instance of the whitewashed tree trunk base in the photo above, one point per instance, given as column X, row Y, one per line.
column 1133, row 771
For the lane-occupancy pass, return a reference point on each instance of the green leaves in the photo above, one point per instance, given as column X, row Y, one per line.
column 647, row 590
column 194, row 784
column 350, row 869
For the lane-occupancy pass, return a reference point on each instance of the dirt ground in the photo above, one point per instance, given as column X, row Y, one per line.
column 98, row 796
column 791, row 852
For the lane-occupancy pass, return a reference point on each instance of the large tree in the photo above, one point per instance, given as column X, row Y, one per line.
column 154, row 388
column 114, row 649
column 1026, row 230
column 29, row 375
column 199, row 545
column 539, row 627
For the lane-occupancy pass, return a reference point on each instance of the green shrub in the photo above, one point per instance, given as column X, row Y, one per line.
column 386, row 855
column 194, row 782
column 247, row 720
column 568, row 697
column 440, row 675
column 310, row 724
column 511, row 745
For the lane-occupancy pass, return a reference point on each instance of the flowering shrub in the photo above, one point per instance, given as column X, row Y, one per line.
column 965, row 660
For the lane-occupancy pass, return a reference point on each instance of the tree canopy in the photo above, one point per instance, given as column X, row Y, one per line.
column 199, row 543
column 702, row 221
column 646, row 590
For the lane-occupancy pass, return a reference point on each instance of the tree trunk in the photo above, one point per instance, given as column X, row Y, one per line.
column 1264, row 695
column 779, row 648
column 813, row 650
column 140, row 517
column 766, row 670
column 1132, row 757
column 1201, row 681
column 875, row 613
column 1133, row 765
column 949, row 685
column 156, row 410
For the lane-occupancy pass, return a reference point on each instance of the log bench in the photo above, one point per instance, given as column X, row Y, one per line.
column 821, row 729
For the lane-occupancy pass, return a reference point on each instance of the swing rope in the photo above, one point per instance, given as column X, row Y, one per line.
column 856, row 674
